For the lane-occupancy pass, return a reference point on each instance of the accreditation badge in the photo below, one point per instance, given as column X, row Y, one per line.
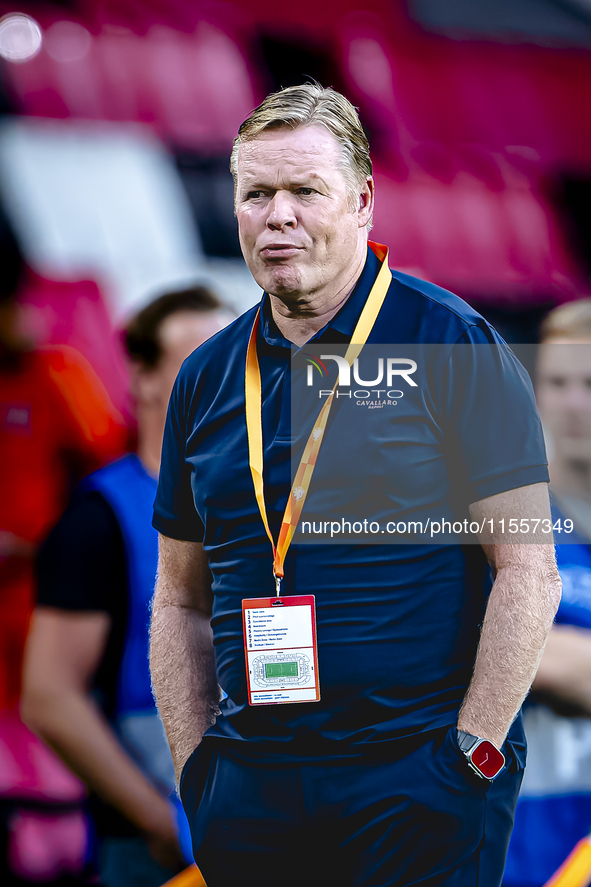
column 281, row 649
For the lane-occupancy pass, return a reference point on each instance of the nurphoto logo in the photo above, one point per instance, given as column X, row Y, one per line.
column 389, row 371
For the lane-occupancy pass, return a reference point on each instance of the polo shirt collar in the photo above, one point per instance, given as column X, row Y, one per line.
column 343, row 323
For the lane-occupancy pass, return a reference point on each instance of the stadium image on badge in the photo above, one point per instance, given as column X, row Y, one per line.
column 277, row 669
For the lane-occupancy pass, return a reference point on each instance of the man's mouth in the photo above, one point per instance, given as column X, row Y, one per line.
column 280, row 251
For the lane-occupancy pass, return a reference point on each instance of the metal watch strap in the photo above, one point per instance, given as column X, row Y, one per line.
column 467, row 741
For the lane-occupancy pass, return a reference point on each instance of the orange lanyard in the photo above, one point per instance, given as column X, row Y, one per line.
column 254, row 422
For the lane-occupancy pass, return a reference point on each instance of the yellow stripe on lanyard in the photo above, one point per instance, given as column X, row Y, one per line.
column 254, row 422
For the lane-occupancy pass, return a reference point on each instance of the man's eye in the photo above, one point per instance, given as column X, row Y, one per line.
column 306, row 191
column 253, row 195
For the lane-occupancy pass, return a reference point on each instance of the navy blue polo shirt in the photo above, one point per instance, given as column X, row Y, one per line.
column 398, row 624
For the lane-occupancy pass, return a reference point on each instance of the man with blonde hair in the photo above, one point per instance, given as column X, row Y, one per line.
column 390, row 769
column 554, row 808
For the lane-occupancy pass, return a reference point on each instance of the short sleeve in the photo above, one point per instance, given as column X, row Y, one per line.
column 494, row 435
column 81, row 565
column 82, row 568
column 174, row 509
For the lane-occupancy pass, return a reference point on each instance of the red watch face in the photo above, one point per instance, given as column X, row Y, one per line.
column 488, row 759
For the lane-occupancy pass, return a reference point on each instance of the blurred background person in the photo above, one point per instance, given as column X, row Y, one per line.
column 87, row 689
column 57, row 423
column 554, row 809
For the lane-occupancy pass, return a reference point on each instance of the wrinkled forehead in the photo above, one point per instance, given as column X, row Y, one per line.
column 306, row 149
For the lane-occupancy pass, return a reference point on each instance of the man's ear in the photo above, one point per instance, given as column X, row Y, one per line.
column 366, row 201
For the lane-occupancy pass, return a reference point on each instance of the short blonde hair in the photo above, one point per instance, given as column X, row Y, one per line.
column 307, row 105
column 570, row 321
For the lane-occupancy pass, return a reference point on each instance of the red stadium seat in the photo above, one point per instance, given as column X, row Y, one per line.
column 195, row 86
column 475, row 241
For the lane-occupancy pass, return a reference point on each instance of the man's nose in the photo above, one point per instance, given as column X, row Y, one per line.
column 281, row 211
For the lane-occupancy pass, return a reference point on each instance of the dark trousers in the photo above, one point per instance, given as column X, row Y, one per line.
column 414, row 815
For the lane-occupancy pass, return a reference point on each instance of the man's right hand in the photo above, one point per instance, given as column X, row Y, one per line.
column 162, row 841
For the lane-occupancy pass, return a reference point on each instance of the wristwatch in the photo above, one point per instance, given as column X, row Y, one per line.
column 482, row 755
